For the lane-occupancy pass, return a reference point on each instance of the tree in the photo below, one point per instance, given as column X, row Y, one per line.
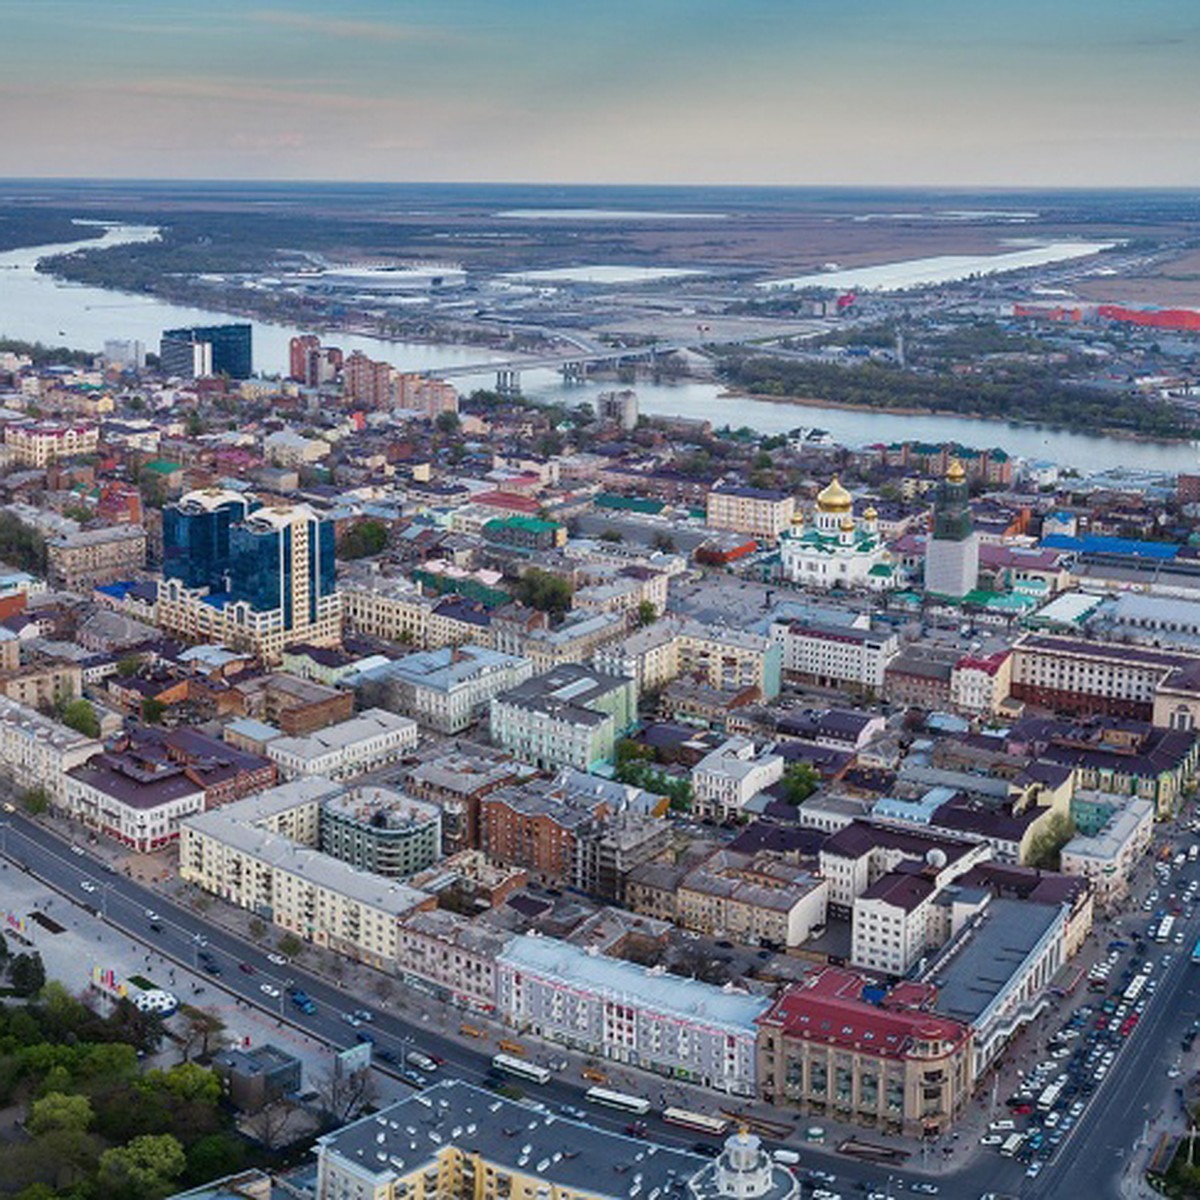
column 214, row 1156
column 58, row 1110
column 152, row 710
column 143, row 1169
column 544, row 591
column 664, row 542
column 799, row 782
column 35, row 801
column 270, row 1122
column 363, row 540
column 447, row 422
column 27, row 975
column 344, row 1094
column 612, row 535
column 1046, row 845
column 647, row 614
column 128, row 665
column 192, row 1083
column 81, row 716
column 290, row 946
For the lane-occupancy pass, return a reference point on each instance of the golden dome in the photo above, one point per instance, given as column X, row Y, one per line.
column 956, row 474
column 871, row 514
column 834, row 498
column 847, row 524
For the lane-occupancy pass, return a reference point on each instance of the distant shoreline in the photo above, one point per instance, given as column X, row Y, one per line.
column 849, row 406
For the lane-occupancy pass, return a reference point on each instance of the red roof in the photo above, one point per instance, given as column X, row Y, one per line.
column 508, row 500
column 828, row 1008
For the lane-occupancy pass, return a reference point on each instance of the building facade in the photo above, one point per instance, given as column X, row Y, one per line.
column 952, row 551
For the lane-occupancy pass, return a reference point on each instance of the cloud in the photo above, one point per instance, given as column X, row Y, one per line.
column 339, row 27
column 230, row 91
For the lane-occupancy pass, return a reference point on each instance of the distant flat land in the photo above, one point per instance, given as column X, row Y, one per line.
column 1175, row 283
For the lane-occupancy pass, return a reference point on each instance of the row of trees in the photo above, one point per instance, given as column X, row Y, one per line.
column 1025, row 392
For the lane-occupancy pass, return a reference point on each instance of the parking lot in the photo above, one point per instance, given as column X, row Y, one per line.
column 1053, row 1094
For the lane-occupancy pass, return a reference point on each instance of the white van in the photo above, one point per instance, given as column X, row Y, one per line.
column 789, row 1158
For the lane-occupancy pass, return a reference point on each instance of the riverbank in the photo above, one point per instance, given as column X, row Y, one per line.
column 1127, row 435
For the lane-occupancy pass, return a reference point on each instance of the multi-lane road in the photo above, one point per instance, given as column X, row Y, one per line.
column 1089, row 1162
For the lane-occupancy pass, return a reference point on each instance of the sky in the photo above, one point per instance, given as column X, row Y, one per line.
column 1019, row 93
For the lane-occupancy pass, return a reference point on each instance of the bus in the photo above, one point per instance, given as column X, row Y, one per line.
column 700, row 1122
column 1049, row 1098
column 1012, row 1144
column 1165, row 926
column 1136, row 986
column 520, row 1068
column 1196, row 953
column 611, row 1099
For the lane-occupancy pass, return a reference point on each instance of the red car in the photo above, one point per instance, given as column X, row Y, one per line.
column 1022, row 1110
column 246, row 967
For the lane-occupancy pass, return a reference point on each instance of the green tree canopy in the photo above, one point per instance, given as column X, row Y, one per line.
column 544, row 591
column 143, row 1169
column 81, row 716
column 800, row 780
column 363, row 540
column 59, row 1110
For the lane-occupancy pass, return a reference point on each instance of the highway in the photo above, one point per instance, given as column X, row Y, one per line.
column 1089, row 1161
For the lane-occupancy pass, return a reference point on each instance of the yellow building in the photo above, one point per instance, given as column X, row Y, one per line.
column 760, row 512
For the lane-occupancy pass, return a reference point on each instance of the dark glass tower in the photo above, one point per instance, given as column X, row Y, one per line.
column 196, row 537
column 231, row 349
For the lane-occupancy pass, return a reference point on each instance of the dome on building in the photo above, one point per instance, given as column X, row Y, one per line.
column 956, row 474
column 834, row 498
column 847, row 524
column 871, row 514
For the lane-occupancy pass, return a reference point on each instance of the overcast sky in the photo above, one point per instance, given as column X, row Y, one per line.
column 1002, row 92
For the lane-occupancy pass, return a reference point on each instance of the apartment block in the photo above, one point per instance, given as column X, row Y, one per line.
column 80, row 561
column 570, row 716
column 37, row 752
column 45, row 442
column 731, row 775
column 372, row 739
column 835, row 656
column 606, row 1008
column 760, row 512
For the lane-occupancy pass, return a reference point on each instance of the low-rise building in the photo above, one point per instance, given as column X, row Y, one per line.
column 446, row 690
column 731, row 775
column 382, row 831
column 570, row 716
column 1109, row 854
column 37, row 752
column 80, row 561
column 835, row 656
column 761, row 512
column 40, row 443
column 452, row 957
column 371, row 740
column 676, row 1027
column 457, row 781
column 895, row 1066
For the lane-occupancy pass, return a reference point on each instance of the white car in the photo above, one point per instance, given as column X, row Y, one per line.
column 78, row 850
column 277, row 959
column 87, row 885
column 151, row 915
column 991, row 1139
column 351, row 1019
column 1035, row 1169
column 269, row 989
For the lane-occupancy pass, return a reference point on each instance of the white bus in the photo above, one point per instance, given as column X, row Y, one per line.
column 1048, row 1099
column 701, row 1122
column 610, row 1099
column 522, row 1069
column 1136, row 986
column 1012, row 1144
column 1165, row 928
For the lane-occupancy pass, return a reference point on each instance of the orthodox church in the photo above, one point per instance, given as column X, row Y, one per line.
column 835, row 549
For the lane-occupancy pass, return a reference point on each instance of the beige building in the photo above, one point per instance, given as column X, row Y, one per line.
column 393, row 609
column 36, row 752
column 452, row 956
column 46, row 442
column 675, row 646
column 242, row 854
column 82, row 560
column 759, row 512
column 1110, row 856
column 44, row 684
column 759, row 900
column 731, row 775
column 897, row 1067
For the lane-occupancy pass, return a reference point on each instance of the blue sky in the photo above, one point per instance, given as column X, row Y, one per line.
column 1011, row 92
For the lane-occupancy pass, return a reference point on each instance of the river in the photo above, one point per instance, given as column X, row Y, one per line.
column 37, row 307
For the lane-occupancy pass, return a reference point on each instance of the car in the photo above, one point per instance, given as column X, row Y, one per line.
column 636, row 1129
column 78, row 850
column 245, row 968
column 363, row 1015
column 388, row 1056
column 1051, row 1120
column 704, row 1149
column 574, row 1112
column 991, row 1139
column 87, row 885
column 156, row 927
column 825, row 1194
column 151, row 915
column 277, row 959
column 365, row 1035
column 926, row 1189
column 822, row 1176
column 1173, row 1071
column 211, row 967
column 421, row 1061
column 1002, row 1126
column 351, row 1019
column 269, row 989
column 417, row 1080
column 1033, row 1170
